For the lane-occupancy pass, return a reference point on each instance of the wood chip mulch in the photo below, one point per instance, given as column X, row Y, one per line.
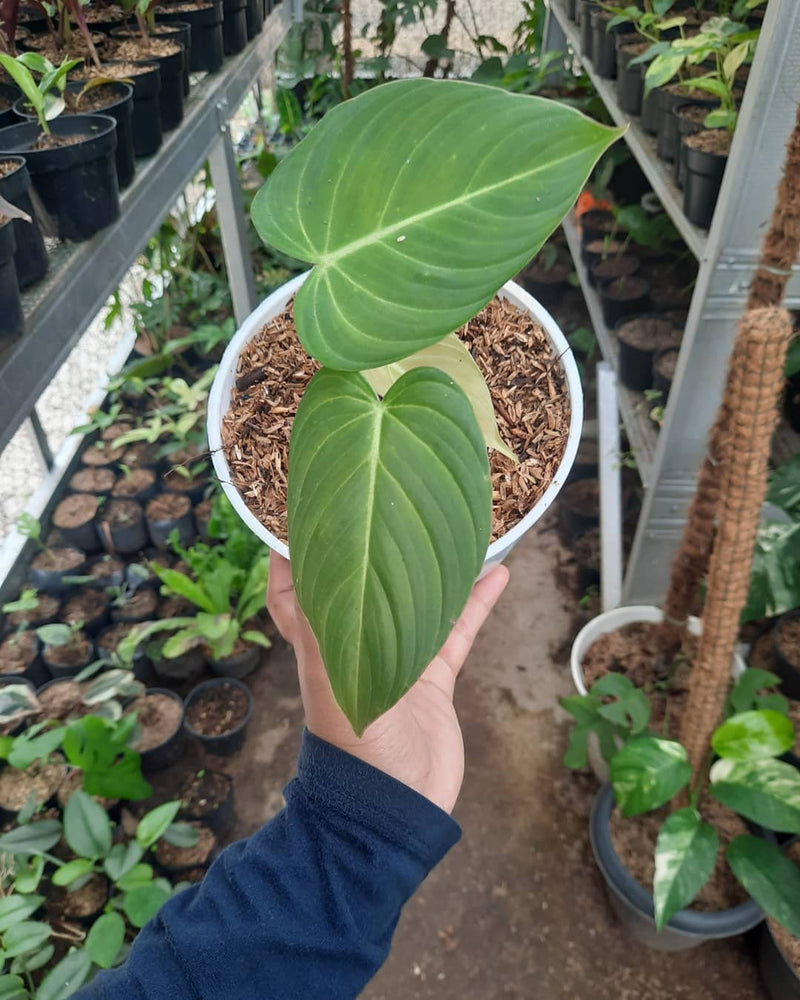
column 526, row 382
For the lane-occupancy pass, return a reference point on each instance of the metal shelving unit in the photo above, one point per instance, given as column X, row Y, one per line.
column 82, row 276
column 726, row 255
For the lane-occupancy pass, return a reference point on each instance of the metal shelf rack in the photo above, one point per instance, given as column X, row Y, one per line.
column 726, row 255
column 81, row 276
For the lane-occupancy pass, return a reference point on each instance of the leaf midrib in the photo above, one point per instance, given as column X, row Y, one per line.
column 327, row 259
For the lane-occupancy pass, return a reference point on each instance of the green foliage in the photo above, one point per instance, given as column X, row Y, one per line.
column 614, row 709
column 765, row 791
column 752, row 691
column 99, row 747
column 43, row 96
column 753, row 735
column 769, row 877
column 67, row 977
column 105, row 939
column 31, row 838
column 647, row 772
column 775, row 572
column 87, row 828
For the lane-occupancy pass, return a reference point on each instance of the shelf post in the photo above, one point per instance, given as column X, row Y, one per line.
column 610, row 488
column 233, row 226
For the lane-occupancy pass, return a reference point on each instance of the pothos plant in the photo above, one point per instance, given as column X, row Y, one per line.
column 415, row 202
column 742, row 772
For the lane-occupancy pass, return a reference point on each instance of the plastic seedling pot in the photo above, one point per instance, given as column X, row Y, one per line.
column 785, row 666
column 30, row 256
column 54, row 579
column 206, row 53
column 630, row 83
column 75, row 518
column 167, row 513
column 220, row 817
column 77, row 184
column 704, row 172
column 237, row 666
column 61, row 670
column 255, row 18
column 234, row 26
column 219, row 401
column 226, row 743
column 633, row 904
column 168, row 752
column 12, row 320
column 146, row 117
column 778, row 976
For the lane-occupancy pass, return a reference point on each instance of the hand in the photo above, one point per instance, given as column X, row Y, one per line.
column 418, row 741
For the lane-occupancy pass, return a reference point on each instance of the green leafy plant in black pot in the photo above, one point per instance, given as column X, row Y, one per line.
column 70, row 158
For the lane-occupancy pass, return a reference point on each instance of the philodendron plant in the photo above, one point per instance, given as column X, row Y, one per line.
column 415, row 202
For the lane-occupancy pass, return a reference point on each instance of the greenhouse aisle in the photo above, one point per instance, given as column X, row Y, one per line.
column 518, row 908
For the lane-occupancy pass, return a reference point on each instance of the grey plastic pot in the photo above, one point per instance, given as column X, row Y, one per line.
column 633, row 904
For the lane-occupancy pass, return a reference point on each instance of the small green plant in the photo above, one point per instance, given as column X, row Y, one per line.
column 29, row 527
column 46, row 97
column 655, row 397
column 60, row 634
column 614, row 710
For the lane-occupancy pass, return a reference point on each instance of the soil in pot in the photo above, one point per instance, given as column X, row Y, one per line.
column 138, row 484
column 586, row 550
column 706, row 158
column 547, row 284
column 146, row 117
column 75, row 519
column 16, row 785
column 634, row 841
column 99, row 481
column 81, row 903
column 689, row 119
column 50, row 567
column 170, row 512
column 664, row 365
column 217, row 711
column 45, row 611
column 206, row 51
column 613, row 266
column 630, row 79
column 639, row 338
column 159, row 718
column 72, row 655
column 111, row 637
column 169, row 55
column 56, row 51
column 623, row 297
column 170, row 856
column 107, row 571
column 87, row 606
column 528, row 391
column 30, row 256
column 786, row 648
column 139, row 607
column 18, row 652
column 192, row 486
column 597, row 224
column 788, row 943
column 140, row 455
column 121, row 527
column 63, row 699
column 101, row 453
column 204, row 793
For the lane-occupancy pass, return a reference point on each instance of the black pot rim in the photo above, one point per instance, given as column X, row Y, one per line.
column 721, row 924
column 213, row 683
column 182, row 722
column 104, row 126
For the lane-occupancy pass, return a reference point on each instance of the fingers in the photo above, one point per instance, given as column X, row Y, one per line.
column 280, row 596
column 485, row 594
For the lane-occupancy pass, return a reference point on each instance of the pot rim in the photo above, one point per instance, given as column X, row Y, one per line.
column 219, row 401
column 689, row 923
column 209, row 685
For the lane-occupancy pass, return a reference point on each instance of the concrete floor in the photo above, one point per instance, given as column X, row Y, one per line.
column 517, row 909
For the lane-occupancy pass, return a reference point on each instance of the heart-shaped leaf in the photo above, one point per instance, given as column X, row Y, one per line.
column 647, row 772
column 770, row 877
column 451, row 356
column 389, row 512
column 753, row 735
column 417, row 200
column 686, row 852
column 766, row 792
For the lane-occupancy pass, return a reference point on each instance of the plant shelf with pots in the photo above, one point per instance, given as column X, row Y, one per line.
column 633, row 406
column 81, row 276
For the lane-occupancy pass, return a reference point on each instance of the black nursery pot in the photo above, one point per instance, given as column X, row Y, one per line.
column 30, row 256
column 58, row 671
column 33, row 671
column 8, row 93
column 661, row 382
column 230, row 742
column 121, row 527
column 686, row 126
column 611, row 267
column 77, row 184
column 649, row 112
column 160, row 528
column 668, row 135
column 630, row 82
column 604, row 48
column 777, row 975
column 255, row 18
column 146, row 114
column 234, row 26
column 785, row 666
column 180, row 32
column 55, row 581
column 120, row 109
column 170, row 94
column 219, row 818
column 704, row 172
column 237, row 666
column 596, row 225
column 636, row 362
column 75, row 518
column 585, row 8
column 168, row 752
column 578, row 508
column 11, row 318
column 206, row 52
column 623, row 297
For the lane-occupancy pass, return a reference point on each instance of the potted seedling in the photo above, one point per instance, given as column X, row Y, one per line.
column 30, row 609
column 74, row 153
column 53, row 568
column 66, row 649
column 408, row 248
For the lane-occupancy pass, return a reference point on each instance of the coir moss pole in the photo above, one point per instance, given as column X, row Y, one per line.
column 762, row 341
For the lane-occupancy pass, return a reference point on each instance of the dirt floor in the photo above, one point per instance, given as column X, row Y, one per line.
column 518, row 908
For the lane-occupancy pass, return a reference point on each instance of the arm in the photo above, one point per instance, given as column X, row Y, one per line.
column 307, row 907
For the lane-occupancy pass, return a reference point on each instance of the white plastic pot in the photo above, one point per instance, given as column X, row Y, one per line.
column 609, row 621
column 220, row 396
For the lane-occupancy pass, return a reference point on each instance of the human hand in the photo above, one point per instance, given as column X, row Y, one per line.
column 418, row 741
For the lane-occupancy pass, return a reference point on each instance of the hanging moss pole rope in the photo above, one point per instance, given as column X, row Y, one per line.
column 779, row 251
column 761, row 344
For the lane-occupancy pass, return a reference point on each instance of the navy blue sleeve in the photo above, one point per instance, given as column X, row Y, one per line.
column 306, row 907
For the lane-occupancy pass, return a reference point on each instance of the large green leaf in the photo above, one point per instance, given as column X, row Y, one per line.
column 67, row 977
column 143, row 903
column 33, row 838
column 753, row 735
column 770, row 878
column 764, row 791
column 451, row 356
column 417, row 200
column 12, row 988
column 28, row 935
column 389, row 517
column 86, row 826
column 153, row 824
column 647, row 772
column 686, row 851
column 17, row 907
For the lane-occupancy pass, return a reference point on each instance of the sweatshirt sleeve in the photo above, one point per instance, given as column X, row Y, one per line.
column 306, row 907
